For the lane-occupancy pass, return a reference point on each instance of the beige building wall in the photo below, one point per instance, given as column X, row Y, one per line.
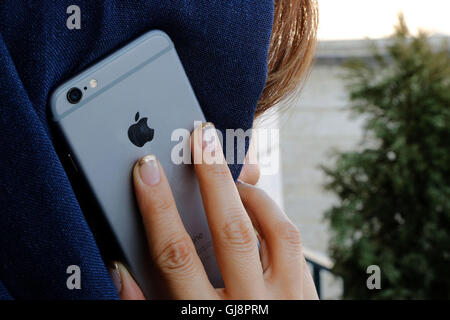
column 317, row 124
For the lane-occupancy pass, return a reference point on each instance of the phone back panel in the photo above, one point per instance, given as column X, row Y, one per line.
column 145, row 77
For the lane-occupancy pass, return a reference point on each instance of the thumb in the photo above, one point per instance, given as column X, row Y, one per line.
column 126, row 287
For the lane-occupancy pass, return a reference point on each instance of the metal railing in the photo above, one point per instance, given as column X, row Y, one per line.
column 319, row 263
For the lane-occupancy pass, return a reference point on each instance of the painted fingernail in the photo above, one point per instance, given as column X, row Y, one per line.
column 149, row 170
column 116, row 276
column 209, row 137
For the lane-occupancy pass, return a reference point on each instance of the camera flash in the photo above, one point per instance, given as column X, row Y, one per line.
column 93, row 83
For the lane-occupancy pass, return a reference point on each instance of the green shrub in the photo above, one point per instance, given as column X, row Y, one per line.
column 394, row 193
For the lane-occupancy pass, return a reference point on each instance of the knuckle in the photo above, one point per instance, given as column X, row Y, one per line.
column 295, row 293
column 177, row 257
column 238, row 232
column 218, row 171
column 290, row 234
column 162, row 204
column 257, row 193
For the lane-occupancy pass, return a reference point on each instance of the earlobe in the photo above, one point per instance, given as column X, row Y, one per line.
column 250, row 173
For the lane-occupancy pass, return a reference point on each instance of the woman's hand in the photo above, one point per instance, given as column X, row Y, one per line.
column 234, row 211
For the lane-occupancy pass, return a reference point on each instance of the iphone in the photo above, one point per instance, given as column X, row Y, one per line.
column 124, row 107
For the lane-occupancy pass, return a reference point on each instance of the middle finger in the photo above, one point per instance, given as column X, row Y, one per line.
column 233, row 235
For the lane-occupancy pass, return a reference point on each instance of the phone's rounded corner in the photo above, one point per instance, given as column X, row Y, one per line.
column 52, row 103
column 56, row 114
column 160, row 33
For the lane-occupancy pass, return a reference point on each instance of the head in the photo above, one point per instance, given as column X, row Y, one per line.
column 291, row 50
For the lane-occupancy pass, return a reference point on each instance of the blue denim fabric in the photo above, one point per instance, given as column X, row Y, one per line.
column 223, row 46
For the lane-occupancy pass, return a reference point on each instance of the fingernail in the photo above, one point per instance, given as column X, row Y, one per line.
column 209, row 137
column 149, row 170
column 116, row 276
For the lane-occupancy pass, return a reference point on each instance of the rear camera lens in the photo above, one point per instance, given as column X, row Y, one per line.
column 74, row 95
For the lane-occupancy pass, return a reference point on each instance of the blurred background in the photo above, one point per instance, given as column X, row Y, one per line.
column 350, row 225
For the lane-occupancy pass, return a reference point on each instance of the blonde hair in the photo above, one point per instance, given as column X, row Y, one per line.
column 291, row 51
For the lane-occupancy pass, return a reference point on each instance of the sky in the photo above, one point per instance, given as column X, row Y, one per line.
column 356, row 19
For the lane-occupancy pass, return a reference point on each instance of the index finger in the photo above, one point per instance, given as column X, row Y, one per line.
column 171, row 248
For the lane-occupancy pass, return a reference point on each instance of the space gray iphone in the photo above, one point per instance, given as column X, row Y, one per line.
column 122, row 108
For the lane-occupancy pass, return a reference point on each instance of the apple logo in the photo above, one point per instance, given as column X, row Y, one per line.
column 139, row 133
